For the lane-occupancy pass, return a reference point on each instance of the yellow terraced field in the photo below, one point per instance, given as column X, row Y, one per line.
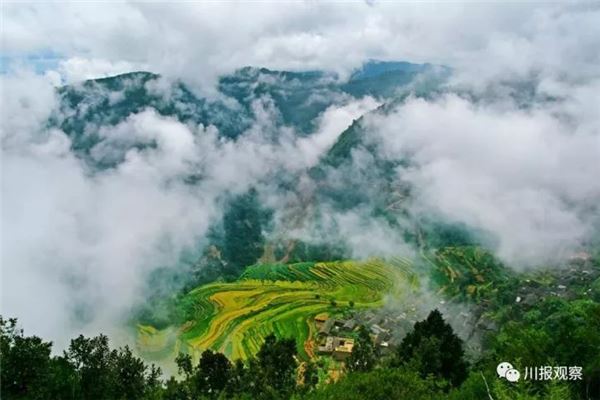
column 235, row 317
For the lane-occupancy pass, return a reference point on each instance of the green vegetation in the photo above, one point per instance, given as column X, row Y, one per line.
column 466, row 273
column 235, row 317
column 433, row 349
column 90, row 369
column 239, row 321
column 364, row 354
column 378, row 384
column 243, row 240
column 556, row 332
column 250, row 339
column 110, row 101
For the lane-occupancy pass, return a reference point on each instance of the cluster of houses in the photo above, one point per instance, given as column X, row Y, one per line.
column 334, row 335
column 333, row 338
column 387, row 328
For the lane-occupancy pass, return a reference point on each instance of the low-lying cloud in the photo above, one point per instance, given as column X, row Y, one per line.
column 529, row 176
column 196, row 42
column 77, row 243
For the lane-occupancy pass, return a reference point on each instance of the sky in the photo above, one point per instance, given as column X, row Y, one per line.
column 76, row 243
column 201, row 40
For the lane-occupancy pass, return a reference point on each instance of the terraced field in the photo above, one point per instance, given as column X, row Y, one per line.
column 235, row 317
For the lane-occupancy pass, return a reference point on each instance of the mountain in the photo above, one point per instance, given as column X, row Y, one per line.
column 298, row 97
column 296, row 100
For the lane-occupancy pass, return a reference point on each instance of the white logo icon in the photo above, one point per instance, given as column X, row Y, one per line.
column 507, row 371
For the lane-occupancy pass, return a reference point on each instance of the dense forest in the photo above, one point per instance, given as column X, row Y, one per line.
column 430, row 363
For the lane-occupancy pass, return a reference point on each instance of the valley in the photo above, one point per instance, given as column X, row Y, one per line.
column 304, row 201
column 235, row 317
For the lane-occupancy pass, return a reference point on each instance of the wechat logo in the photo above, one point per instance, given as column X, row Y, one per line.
column 507, row 371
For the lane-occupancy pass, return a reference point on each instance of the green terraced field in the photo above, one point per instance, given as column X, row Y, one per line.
column 235, row 317
column 466, row 272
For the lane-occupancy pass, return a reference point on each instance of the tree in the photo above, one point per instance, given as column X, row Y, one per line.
column 239, row 381
column 63, row 381
column 25, row 368
column 92, row 360
column 129, row 375
column 310, row 376
column 432, row 348
column 175, row 390
column 276, row 363
column 153, row 389
column 89, row 369
column 379, row 384
column 212, row 374
column 243, row 242
column 184, row 364
column 364, row 356
column 538, row 338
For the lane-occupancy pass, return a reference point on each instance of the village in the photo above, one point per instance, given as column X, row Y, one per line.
column 336, row 336
column 387, row 327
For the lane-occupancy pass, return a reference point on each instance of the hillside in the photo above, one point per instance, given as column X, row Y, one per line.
column 234, row 318
column 298, row 97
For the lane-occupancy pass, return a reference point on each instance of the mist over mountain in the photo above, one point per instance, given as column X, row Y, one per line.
column 162, row 149
column 297, row 98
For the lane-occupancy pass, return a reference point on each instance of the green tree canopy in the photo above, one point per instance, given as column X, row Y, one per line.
column 432, row 348
column 364, row 355
column 243, row 225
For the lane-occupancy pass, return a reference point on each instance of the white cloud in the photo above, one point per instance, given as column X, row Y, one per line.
column 77, row 240
column 77, row 69
column 199, row 41
column 73, row 239
column 70, row 237
column 528, row 176
column 333, row 121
